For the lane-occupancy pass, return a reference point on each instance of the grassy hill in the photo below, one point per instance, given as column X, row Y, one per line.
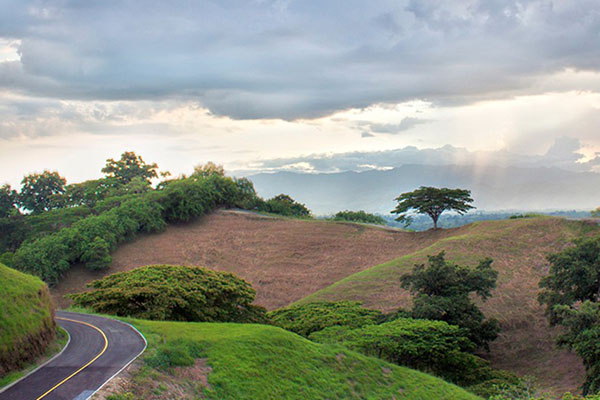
column 242, row 361
column 290, row 260
column 26, row 319
column 518, row 247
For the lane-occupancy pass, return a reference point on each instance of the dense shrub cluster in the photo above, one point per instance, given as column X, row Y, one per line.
column 175, row 293
column 431, row 346
column 359, row 216
column 90, row 240
column 305, row 319
column 283, row 204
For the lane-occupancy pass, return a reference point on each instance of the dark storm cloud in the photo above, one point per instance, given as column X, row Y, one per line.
column 293, row 59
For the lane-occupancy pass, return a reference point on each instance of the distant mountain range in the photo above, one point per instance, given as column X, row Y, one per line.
column 493, row 188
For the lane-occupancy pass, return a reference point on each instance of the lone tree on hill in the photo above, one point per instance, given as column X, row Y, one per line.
column 433, row 202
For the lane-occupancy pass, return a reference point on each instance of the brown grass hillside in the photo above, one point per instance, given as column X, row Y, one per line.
column 284, row 259
column 290, row 260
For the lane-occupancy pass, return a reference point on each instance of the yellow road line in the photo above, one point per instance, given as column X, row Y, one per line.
column 88, row 363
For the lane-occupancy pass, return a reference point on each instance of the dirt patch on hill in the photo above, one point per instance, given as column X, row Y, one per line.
column 284, row 259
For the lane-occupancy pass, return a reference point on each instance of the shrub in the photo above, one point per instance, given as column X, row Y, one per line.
column 283, row 204
column 97, row 254
column 305, row 319
column 359, row 216
column 172, row 292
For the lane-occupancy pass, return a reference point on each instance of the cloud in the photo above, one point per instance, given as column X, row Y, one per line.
column 391, row 128
column 564, row 154
column 295, row 59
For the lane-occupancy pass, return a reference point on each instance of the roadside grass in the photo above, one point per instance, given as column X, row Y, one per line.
column 54, row 348
column 26, row 322
column 249, row 361
column 519, row 248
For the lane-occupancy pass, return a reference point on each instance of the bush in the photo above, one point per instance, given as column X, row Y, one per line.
column 283, row 204
column 172, row 292
column 305, row 319
column 359, row 216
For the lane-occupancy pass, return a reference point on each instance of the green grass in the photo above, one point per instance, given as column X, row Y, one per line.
column 21, row 310
column 264, row 362
column 26, row 321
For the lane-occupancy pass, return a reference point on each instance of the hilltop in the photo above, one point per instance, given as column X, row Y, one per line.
column 246, row 361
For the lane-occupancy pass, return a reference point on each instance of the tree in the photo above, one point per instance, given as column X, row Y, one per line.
column 443, row 292
column 596, row 213
column 283, row 204
column 208, row 169
column 41, row 192
column 174, row 293
column 128, row 167
column 571, row 293
column 433, row 202
column 8, row 198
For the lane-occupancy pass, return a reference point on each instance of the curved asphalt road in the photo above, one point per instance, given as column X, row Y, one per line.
column 108, row 351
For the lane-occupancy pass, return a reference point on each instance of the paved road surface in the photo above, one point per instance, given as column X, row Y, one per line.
column 98, row 349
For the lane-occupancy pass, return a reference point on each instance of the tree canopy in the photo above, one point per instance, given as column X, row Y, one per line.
column 41, row 192
column 442, row 292
column 128, row 167
column 571, row 293
column 173, row 292
column 8, row 198
column 433, row 202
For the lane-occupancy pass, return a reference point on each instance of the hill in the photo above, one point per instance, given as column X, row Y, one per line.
column 289, row 260
column 514, row 188
column 26, row 319
column 243, row 361
column 284, row 259
column 518, row 247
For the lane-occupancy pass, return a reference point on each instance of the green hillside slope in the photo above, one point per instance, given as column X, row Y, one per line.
column 242, row 361
column 26, row 319
column 518, row 247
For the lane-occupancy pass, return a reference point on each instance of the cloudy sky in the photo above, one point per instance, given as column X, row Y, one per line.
column 307, row 85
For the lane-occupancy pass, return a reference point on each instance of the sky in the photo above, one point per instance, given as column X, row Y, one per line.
column 312, row 86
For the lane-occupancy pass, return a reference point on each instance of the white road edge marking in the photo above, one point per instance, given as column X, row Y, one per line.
column 126, row 365
column 41, row 365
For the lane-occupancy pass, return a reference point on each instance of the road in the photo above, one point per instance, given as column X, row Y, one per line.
column 98, row 349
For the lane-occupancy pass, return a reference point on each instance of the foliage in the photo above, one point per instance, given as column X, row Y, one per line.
column 41, row 192
column 283, row 204
column 574, row 276
column 128, row 167
column 442, row 292
column 571, row 293
column 359, row 216
column 26, row 318
column 89, row 240
column 251, row 361
column 208, row 169
column 596, row 213
column 8, row 199
column 433, row 202
column 311, row 317
column 172, row 292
